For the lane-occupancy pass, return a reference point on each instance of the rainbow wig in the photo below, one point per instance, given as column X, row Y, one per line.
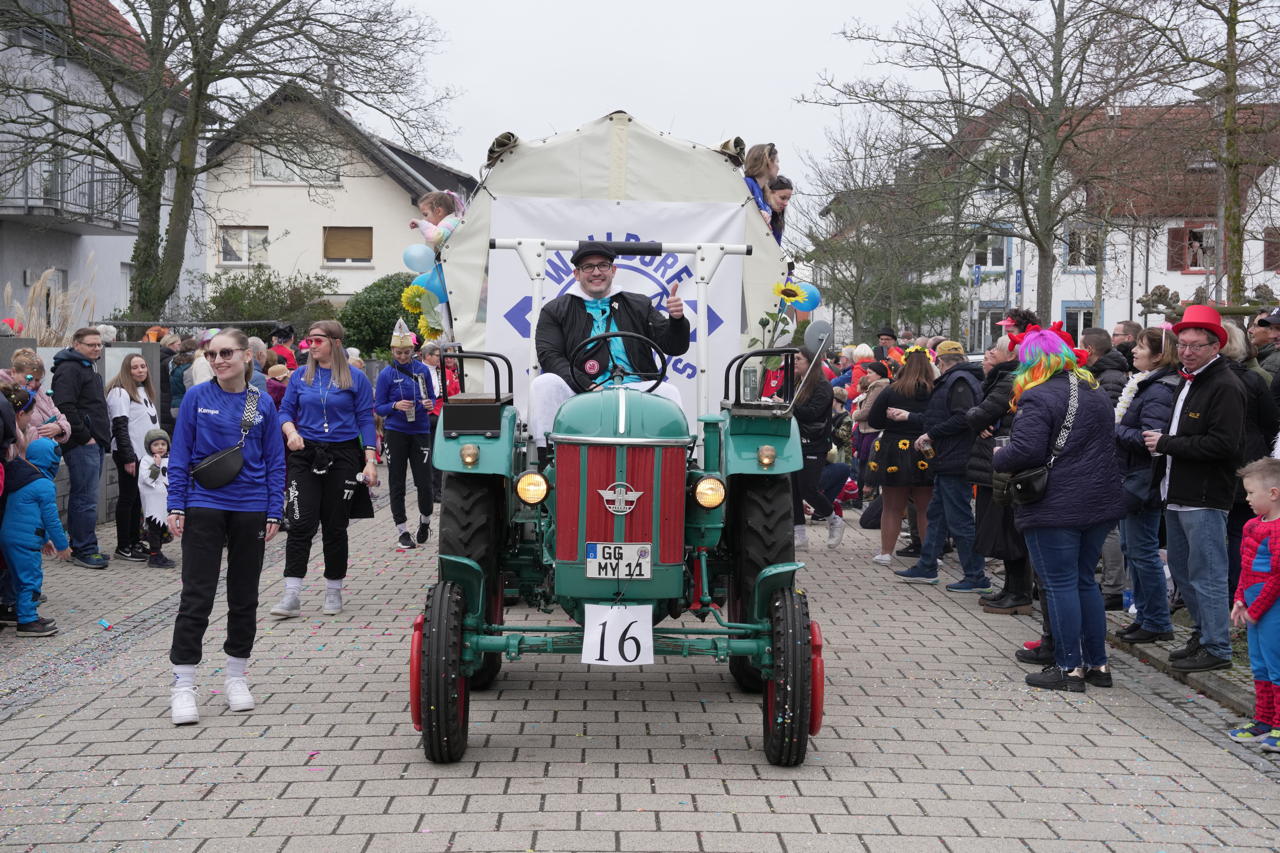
column 1041, row 354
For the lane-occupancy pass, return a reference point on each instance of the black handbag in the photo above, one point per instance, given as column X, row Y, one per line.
column 218, row 469
column 1030, row 486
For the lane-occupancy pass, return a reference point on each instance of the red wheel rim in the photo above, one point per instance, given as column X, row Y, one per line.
column 817, row 679
column 770, row 696
column 415, row 672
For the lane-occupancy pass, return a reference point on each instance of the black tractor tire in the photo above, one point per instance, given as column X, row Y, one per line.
column 762, row 534
column 788, row 697
column 471, row 526
column 445, row 697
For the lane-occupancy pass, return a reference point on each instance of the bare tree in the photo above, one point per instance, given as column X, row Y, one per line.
column 1014, row 90
column 134, row 98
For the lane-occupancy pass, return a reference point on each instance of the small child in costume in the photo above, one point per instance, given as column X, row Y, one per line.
column 30, row 521
column 153, row 485
column 1257, row 591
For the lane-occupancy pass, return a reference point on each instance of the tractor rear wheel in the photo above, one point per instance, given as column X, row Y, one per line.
column 762, row 534
column 445, row 701
column 471, row 526
column 788, row 696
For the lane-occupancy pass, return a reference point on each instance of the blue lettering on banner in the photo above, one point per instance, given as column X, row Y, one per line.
column 559, row 268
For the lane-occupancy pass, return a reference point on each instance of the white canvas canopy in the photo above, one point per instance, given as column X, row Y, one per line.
column 649, row 176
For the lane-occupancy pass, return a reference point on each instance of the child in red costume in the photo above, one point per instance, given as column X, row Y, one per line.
column 1258, row 590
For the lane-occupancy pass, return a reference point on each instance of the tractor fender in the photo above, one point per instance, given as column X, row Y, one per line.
column 496, row 444
column 740, row 450
column 771, row 579
column 468, row 575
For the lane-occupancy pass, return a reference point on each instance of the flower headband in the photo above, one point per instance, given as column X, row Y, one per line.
column 918, row 348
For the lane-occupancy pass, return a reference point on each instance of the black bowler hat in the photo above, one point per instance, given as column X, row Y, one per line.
column 592, row 247
column 887, row 332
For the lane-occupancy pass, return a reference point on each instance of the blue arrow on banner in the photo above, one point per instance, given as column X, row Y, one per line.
column 518, row 316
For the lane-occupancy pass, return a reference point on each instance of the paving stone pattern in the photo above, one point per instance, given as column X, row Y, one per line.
column 932, row 742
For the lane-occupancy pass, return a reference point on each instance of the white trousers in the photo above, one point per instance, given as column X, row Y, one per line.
column 548, row 391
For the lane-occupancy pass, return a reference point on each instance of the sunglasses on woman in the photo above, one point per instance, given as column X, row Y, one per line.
column 224, row 354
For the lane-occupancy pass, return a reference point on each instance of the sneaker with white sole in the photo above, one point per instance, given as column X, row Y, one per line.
column 882, row 559
column 238, row 696
column 1252, row 735
column 332, row 602
column 183, row 708
column 405, row 541
column 289, row 606
column 835, row 531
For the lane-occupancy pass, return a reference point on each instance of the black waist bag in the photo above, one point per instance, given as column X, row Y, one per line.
column 218, row 469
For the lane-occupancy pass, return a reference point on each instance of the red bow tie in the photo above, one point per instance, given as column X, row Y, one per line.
column 1187, row 376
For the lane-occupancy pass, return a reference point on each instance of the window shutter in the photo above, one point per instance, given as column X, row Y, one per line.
column 1271, row 248
column 1177, row 249
column 344, row 244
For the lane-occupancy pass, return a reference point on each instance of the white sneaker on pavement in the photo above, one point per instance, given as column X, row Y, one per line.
column 835, row 531
column 183, row 708
column 238, row 696
column 882, row 559
column 289, row 606
column 332, row 602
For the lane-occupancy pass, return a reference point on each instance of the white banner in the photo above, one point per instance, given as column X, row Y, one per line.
column 511, row 315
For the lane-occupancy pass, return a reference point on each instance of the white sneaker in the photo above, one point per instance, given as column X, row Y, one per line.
column 290, row 605
column 183, row 708
column 882, row 559
column 802, row 537
column 835, row 530
column 332, row 602
column 238, row 696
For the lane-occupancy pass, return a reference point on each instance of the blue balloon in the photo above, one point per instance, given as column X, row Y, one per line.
column 811, row 299
column 433, row 282
column 419, row 257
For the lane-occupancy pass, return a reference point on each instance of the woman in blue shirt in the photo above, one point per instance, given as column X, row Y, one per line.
column 243, row 515
column 404, row 397
column 327, row 420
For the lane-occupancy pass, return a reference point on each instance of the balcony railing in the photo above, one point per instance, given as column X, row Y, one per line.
column 73, row 190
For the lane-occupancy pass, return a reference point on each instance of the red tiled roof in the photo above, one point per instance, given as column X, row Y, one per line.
column 100, row 24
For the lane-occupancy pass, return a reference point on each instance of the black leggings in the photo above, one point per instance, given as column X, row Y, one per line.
column 804, row 487
column 408, row 450
column 128, row 508
column 320, row 500
column 205, row 533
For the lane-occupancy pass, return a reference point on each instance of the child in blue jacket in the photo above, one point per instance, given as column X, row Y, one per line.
column 31, row 520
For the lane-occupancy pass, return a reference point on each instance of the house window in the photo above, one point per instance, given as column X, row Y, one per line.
column 1082, row 246
column 1271, row 248
column 242, row 246
column 348, row 245
column 126, row 278
column 1077, row 318
column 1193, row 247
column 989, row 251
column 269, row 167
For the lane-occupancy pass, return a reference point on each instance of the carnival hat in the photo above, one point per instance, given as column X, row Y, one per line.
column 1202, row 317
column 402, row 337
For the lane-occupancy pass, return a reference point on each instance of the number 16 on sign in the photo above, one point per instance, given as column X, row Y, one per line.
column 617, row 635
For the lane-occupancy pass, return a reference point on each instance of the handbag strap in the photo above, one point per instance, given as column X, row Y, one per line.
column 1073, row 403
column 246, row 419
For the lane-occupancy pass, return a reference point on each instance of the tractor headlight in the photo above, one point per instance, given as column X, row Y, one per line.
column 766, row 455
column 532, row 488
column 469, row 454
column 709, row 493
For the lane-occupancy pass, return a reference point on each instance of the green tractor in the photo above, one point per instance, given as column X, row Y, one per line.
column 633, row 523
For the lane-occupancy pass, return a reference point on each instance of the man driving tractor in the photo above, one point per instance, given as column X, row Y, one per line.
column 593, row 306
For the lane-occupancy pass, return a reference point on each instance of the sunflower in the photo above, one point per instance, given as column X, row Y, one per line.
column 426, row 331
column 788, row 292
column 876, row 446
column 904, row 444
column 922, row 465
column 892, row 469
column 411, row 298
column 874, row 466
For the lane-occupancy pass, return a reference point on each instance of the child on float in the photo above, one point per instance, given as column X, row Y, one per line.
column 1257, row 591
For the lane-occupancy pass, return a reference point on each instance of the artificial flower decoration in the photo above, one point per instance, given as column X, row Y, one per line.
column 922, row 465
column 427, row 332
column 874, row 466
column 892, row 469
column 788, row 292
column 904, row 444
column 876, row 446
column 411, row 298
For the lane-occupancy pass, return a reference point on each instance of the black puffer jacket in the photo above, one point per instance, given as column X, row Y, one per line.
column 78, row 394
column 1208, row 447
column 813, row 417
column 992, row 413
column 1112, row 372
column 954, row 393
column 564, row 323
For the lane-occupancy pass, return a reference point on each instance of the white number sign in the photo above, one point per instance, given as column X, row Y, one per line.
column 618, row 635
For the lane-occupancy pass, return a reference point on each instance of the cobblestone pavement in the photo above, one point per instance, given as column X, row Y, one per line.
column 932, row 742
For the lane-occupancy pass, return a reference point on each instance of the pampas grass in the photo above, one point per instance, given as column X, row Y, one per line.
column 67, row 309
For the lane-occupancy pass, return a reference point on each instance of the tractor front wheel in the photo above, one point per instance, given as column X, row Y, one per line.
column 445, row 702
column 788, row 696
column 471, row 526
column 761, row 535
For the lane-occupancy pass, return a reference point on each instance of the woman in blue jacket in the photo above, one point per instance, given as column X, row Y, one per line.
column 327, row 419
column 1083, row 500
column 1146, row 403
column 403, row 397
column 243, row 515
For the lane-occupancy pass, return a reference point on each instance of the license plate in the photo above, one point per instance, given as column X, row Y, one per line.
column 619, row 561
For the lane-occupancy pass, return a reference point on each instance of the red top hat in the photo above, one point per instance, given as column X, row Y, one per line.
column 1202, row 317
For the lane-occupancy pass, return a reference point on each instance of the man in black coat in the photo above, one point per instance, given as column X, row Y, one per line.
column 947, row 433
column 593, row 306
column 1199, row 455
column 1107, row 364
column 78, row 394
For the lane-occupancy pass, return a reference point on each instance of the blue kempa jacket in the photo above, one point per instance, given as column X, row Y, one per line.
column 209, row 421
column 396, row 383
column 31, row 504
column 347, row 411
column 1085, row 486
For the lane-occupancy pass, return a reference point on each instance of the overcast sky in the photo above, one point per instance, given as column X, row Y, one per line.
column 701, row 70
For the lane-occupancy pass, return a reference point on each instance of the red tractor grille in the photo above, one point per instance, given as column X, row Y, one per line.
column 583, row 471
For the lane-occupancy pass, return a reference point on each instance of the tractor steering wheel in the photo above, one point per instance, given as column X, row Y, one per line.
column 575, row 373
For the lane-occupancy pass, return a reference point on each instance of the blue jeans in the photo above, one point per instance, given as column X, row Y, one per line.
column 1140, row 542
column 1198, row 562
column 1065, row 557
column 832, row 479
column 951, row 513
column 84, row 466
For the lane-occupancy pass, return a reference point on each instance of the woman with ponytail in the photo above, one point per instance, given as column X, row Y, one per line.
column 1057, row 400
